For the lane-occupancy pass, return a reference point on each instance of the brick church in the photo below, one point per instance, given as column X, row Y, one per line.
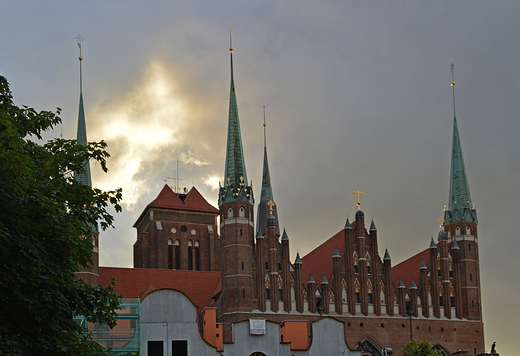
column 236, row 269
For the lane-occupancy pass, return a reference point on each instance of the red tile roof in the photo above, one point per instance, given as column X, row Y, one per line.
column 409, row 269
column 136, row 283
column 319, row 260
column 195, row 201
column 167, row 199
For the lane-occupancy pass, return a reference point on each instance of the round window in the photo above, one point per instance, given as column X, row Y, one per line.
column 184, row 228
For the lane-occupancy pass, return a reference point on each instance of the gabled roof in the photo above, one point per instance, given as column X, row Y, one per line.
column 136, row 283
column 167, row 199
column 408, row 270
column 319, row 260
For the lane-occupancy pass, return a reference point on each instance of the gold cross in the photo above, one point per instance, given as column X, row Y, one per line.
column 441, row 220
column 358, row 201
column 271, row 204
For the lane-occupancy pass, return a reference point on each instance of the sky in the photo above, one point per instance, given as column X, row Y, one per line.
column 356, row 93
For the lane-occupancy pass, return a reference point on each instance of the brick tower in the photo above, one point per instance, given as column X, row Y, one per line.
column 89, row 275
column 460, row 225
column 236, row 204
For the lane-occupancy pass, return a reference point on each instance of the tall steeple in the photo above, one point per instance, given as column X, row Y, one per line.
column 235, row 179
column 82, row 178
column 266, row 196
column 237, row 238
column 90, row 274
column 459, row 205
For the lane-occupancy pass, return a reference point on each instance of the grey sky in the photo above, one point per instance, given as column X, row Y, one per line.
column 357, row 92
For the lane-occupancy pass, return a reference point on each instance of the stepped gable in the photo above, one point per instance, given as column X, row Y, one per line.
column 136, row 283
column 319, row 260
column 409, row 269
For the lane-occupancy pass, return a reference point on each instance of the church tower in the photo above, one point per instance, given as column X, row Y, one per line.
column 460, row 225
column 236, row 204
column 264, row 211
column 89, row 275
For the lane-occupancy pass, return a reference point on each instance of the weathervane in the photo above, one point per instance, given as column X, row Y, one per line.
column 230, row 42
column 80, row 39
column 358, row 201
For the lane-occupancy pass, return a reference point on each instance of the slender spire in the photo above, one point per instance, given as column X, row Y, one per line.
column 266, row 195
column 235, row 179
column 82, row 178
column 459, row 205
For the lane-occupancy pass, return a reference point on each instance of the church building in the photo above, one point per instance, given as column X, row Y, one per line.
column 215, row 281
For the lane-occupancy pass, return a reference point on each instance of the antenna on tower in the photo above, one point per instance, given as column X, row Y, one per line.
column 80, row 39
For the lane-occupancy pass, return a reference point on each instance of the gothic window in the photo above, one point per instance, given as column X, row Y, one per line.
column 457, row 230
column 266, row 266
column 279, row 266
column 190, row 255
column 357, row 289
column 369, row 347
column 280, row 294
column 343, row 291
column 230, row 213
column 356, row 269
column 241, row 212
column 267, row 295
column 370, row 300
column 468, row 230
column 331, row 297
column 197, row 256
column 170, row 254
column 382, row 293
column 177, row 254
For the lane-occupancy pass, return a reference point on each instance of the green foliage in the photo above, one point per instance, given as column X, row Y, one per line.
column 419, row 348
column 43, row 215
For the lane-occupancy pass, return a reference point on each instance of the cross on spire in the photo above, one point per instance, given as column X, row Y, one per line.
column 358, row 193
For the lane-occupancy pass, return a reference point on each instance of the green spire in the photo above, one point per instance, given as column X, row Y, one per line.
column 459, row 205
column 235, row 179
column 266, row 197
column 82, row 178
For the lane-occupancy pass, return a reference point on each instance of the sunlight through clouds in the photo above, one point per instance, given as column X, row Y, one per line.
column 138, row 126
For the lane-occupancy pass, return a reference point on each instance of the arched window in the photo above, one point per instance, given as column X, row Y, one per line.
column 382, row 293
column 241, row 212
column 197, row 255
column 230, row 213
column 190, row 255
column 177, row 254
column 170, row 254
column 468, row 230
column 457, row 230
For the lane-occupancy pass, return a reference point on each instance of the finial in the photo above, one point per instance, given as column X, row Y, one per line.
column 80, row 39
column 452, row 75
column 271, row 204
column 265, row 145
column 230, row 42
column 358, row 201
column 441, row 220
column 453, row 87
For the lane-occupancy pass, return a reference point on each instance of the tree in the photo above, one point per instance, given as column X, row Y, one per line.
column 44, row 215
column 419, row 348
